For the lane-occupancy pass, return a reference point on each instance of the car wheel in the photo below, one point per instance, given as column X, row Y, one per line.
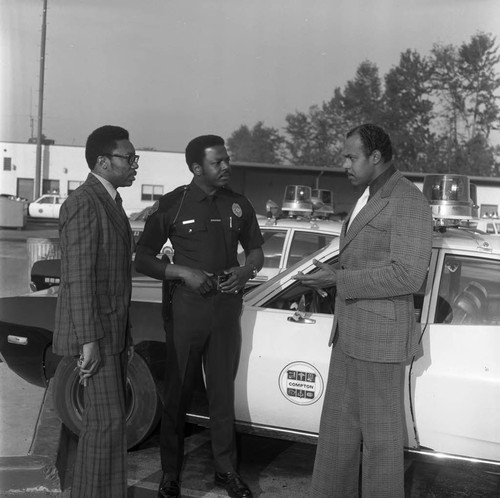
column 142, row 405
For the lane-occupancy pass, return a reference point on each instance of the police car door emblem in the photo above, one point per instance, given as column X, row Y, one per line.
column 237, row 210
column 301, row 383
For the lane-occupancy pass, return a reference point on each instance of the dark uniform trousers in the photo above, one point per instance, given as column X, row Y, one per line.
column 203, row 329
column 363, row 401
column 103, row 434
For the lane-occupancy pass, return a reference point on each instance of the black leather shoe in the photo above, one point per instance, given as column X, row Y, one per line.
column 168, row 489
column 233, row 484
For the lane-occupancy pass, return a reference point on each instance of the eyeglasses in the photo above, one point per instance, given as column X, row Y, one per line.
column 131, row 158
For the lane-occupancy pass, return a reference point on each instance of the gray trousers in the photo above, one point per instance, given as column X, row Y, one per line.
column 363, row 403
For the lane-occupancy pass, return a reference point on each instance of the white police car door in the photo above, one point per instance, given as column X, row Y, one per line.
column 284, row 357
column 43, row 207
column 456, row 383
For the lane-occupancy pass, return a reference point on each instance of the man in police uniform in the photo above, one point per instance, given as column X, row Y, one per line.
column 204, row 221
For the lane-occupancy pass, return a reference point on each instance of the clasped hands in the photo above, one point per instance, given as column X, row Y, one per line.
column 204, row 282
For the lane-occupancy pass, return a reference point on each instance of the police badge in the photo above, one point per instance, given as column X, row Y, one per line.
column 237, row 210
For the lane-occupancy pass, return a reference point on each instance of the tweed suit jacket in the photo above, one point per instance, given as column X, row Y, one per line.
column 383, row 260
column 96, row 255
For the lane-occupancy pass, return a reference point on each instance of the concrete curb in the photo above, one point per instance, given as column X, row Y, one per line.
column 44, row 468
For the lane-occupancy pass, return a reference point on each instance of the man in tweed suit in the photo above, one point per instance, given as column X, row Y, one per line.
column 385, row 249
column 92, row 319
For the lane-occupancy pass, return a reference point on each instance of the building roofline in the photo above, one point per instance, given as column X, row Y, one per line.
column 412, row 175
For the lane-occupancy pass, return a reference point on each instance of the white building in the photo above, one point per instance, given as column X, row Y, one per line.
column 64, row 168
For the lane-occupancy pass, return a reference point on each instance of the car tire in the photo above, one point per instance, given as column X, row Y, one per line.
column 143, row 407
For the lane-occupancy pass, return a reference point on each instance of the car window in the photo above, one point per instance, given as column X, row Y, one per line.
column 46, row 200
column 309, row 300
column 304, row 243
column 469, row 291
column 274, row 240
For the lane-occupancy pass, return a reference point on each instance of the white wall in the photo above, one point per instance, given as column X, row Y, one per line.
column 67, row 163
column 23, row 165
column 488, row 195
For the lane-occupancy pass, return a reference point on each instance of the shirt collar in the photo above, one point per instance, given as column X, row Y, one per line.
column 110, row 189
column 381, row 180
column 199, row 194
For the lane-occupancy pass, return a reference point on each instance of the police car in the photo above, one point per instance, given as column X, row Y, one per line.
column 46, row 206
column 287, row 239
column 452, row 389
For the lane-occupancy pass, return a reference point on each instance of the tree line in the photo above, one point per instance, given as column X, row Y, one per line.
column 439, row 110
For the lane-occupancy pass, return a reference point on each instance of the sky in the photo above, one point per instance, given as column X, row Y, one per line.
column 169, row 70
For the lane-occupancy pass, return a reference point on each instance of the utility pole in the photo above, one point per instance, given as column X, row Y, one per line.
column 38, row 163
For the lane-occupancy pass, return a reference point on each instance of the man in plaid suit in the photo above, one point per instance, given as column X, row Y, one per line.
column 92, row 315
column 385, row 249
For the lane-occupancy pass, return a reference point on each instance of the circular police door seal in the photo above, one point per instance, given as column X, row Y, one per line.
column 301, row 383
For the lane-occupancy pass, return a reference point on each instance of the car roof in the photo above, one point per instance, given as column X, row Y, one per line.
column 329, row 226
column 466, row 239
column 49, row 195
column 334, row 227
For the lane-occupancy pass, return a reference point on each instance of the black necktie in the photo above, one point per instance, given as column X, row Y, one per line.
column 119, row 205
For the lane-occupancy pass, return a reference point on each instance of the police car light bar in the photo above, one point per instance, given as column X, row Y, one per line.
column 449, row 198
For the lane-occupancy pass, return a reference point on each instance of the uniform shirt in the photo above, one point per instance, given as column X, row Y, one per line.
column 204, row 230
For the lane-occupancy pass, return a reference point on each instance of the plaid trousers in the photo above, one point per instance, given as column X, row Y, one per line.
column 101, row 459
column 363, row 403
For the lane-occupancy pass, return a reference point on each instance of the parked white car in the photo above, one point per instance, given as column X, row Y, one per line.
column 452, row 387
column 489, row 225
column 47, row 206
column 452, row 398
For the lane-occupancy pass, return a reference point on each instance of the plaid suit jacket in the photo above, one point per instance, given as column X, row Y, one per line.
column 383, row 260
column 96, row 254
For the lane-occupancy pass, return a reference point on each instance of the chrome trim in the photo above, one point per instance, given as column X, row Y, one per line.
column 446, row 456
column 16, row 339
column 311, row 438
column 248, row 427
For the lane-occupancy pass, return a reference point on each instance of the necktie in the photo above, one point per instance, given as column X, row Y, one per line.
column 119, row 205
column 359, row 205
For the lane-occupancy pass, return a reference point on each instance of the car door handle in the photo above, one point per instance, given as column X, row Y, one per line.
column 300, row 319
